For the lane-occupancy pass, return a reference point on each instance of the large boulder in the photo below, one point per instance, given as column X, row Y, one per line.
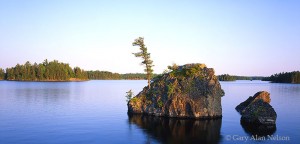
column 191, row 91
column 257, row 109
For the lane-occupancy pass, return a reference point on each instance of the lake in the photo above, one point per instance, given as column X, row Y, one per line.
column 96, row 112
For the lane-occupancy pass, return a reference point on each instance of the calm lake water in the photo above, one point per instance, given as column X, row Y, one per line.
column 96, row 112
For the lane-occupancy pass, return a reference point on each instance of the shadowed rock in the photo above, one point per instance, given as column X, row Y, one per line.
column 257, row 109
column 190, row 91
column 265, row 96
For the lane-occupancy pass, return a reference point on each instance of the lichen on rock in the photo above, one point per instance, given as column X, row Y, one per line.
column 191, row 91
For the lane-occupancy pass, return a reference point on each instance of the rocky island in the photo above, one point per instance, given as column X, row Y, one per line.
column 188, row 91
column 257, row 109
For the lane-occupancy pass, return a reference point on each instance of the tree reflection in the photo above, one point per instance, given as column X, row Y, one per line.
column 172, row 130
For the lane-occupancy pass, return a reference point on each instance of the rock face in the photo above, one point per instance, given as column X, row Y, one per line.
column 191, row 91
column 257, row 109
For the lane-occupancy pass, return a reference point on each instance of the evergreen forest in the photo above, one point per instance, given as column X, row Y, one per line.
column 58, row 71
column 227, row 77
column 45, row 71
column 284, row 77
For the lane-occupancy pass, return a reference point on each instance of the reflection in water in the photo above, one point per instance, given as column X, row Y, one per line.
column 258, row 129
column 41, row 91
column 42, row 94
column 171, row 130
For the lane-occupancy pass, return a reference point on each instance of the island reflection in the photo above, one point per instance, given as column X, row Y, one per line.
column 172, row 130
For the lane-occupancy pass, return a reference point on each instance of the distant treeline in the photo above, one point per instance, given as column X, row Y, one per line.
column 46, row 71
column 106, row 75
column 102, row 75
column 249, row 77
column 57, row 71
column 284, row 77
column 227, row 77
column 136, row 76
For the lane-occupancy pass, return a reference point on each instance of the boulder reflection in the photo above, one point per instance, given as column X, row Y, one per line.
column 258, row 129
column 171, row 130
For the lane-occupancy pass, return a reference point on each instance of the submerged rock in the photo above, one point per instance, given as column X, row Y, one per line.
column 191, row 91
column 257, row 109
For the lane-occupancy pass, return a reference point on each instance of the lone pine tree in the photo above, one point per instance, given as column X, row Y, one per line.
column 145, row 56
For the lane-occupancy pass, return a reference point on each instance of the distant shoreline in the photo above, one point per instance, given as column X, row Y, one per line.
column 71, row 80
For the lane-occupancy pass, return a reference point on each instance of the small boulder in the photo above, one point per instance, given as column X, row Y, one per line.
column 259, row 112
column 257, row 109
column 265, row 96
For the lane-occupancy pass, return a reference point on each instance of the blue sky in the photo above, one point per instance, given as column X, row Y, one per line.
column 237, row 37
